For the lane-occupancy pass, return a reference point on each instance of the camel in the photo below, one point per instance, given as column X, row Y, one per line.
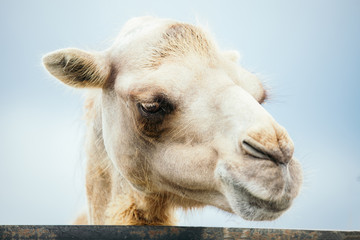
column 175, row 122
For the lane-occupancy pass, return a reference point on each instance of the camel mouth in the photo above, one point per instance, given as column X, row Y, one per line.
column 253, row 201
column 252, row 208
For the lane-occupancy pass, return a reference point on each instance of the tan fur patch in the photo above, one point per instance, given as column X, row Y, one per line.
column 139, row 210
column 178, row 40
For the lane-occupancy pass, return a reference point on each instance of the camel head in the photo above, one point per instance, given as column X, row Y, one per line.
column 180, row 117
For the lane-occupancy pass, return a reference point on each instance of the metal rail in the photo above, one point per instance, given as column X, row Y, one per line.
column 159, row 232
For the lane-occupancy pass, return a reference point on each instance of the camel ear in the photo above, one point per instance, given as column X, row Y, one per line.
column 78, row 68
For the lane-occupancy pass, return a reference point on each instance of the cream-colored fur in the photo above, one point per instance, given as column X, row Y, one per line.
column 173, row 122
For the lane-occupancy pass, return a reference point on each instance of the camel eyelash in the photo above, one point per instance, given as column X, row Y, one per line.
column 156, row 108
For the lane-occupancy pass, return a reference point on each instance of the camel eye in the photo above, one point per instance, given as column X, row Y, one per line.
column 150, row 108
column 155, row 109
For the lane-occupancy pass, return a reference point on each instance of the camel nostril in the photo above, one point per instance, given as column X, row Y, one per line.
column 257, row 150
column 254, row 151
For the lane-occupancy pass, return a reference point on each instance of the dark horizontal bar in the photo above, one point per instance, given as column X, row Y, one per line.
column 160, row 232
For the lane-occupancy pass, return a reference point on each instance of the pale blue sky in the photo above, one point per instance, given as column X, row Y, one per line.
column 307, row 52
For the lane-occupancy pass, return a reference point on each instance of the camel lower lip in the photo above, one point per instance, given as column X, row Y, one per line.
column 275, row 206
column 248, row 205
column 251, row 207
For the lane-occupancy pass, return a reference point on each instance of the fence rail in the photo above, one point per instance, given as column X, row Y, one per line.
column 158, row 232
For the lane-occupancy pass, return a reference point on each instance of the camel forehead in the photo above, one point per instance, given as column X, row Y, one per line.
column 179, row 40
column 148, row 41
column 169, row 36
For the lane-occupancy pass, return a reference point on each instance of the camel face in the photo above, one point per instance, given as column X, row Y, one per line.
column 178, row 117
